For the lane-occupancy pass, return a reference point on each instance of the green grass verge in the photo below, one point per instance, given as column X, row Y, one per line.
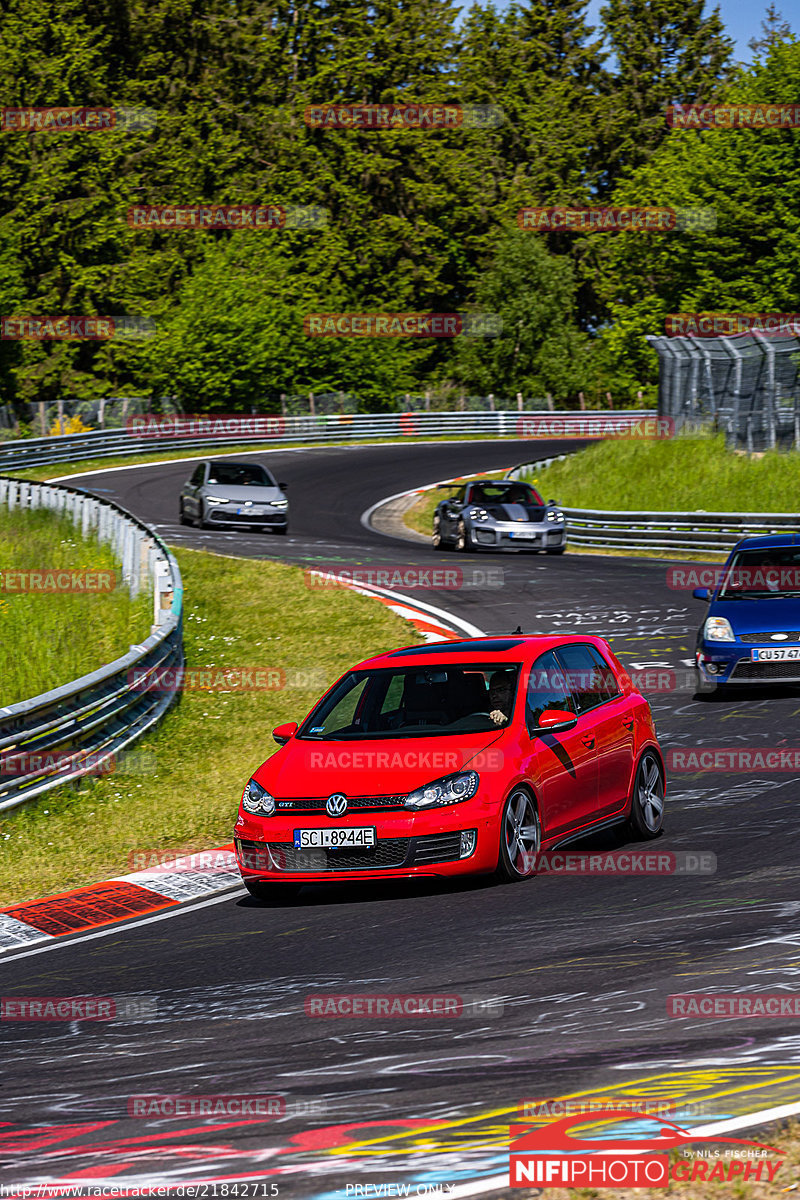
column 48, row 639
column 240, row 613
column 684, row 474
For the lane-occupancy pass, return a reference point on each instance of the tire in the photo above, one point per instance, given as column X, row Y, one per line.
column 182, row 517
column 517, row 855
column 281, row 529
column 558, row 550
column 647, row 799
column 438, row 541
column 276, row 892
column 463, row 543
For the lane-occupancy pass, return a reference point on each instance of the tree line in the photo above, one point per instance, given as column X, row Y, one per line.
column 412, row 220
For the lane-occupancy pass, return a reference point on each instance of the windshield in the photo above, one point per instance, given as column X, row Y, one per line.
column 240, row 475
column 416, row 702
column 500, row 493
column 773, row 571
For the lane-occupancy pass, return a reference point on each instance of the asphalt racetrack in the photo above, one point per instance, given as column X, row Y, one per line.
column 583, row 965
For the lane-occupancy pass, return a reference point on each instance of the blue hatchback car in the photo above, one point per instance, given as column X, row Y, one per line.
column 752, row 631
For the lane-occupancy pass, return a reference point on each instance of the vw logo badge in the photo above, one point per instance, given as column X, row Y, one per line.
column 336, row 805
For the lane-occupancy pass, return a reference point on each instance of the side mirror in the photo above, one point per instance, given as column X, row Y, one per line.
column 556, row 720
column 283, row 486
column 553, row 502
column 283, row 732
column 702, row 594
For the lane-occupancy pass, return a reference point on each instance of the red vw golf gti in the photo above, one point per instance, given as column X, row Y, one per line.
column 446, row 759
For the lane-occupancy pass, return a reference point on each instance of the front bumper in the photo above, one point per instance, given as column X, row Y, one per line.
column 519, row 535
column 221, row 514
column 406, row 846
column 733, row 663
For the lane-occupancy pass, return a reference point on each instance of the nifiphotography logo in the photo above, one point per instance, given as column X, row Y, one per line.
column 549, row 1156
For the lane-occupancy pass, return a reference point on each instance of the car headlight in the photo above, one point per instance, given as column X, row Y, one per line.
column 479, row 514
column 217, row 500
column 718, row 629
column 452, row 789
column 257, row 800
column 279, row 503
column 555, row 514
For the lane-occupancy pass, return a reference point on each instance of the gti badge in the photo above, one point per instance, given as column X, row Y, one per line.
column 336, row 805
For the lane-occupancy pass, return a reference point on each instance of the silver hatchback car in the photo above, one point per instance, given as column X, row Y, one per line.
column 221, row 492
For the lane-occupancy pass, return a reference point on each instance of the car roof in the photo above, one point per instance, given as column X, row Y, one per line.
column 494, row 649
column 232, row 462
column 770, row 541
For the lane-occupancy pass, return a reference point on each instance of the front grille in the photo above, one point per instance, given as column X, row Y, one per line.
column 359, row 803
column 437, row 848
column 389, row 852
column 791, row 636
column 245, row 518
column 485, row 536
column 760, row 671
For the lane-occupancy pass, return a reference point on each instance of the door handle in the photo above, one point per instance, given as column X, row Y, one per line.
column 588, row 742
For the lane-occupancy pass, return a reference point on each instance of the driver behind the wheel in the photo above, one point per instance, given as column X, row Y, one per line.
column 501, row 690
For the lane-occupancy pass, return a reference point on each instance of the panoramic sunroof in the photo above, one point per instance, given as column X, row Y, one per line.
column 476, row 647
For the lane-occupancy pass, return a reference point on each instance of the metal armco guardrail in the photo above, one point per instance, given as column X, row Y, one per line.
column 34, row 452
column 50, row 739
column 699, row 532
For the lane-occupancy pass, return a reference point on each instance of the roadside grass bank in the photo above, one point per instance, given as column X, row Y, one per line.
column 689, row 473
column 50, row 638
column 81, row 466
column 180, row 789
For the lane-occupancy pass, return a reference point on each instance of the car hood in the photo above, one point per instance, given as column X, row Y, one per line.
column 365, row 767
column 258, row 495
column 755, row 616
column 516, row 512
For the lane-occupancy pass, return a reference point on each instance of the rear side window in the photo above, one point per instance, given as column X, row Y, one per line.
column 197, row 475
column 547, row 688
column 589, row 676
